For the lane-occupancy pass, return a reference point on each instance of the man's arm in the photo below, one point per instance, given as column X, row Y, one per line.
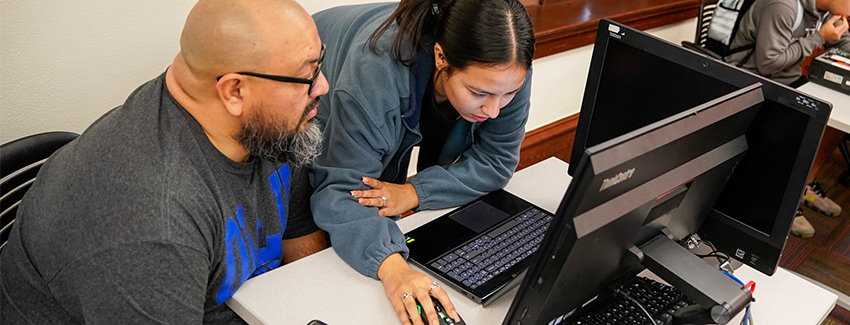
column 296, row 248
column 135, row 283
column 776, row 47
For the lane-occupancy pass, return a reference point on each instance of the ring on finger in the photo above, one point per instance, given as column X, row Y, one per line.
column 405, row 295
column 384, row 198
column 434, row 284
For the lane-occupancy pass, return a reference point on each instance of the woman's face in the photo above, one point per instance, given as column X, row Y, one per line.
column 478, row 92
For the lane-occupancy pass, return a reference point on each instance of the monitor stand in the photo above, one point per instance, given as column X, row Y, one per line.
column 719, row 296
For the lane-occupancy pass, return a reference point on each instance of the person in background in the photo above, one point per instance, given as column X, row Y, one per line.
column 779, row 50
column 451, row 76
column 779, row 47
column 168, row 203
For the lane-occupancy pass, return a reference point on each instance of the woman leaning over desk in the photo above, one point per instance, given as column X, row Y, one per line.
column 451, row 76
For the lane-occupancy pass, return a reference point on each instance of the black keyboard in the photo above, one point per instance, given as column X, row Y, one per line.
column 659, row 299
column 490, row 254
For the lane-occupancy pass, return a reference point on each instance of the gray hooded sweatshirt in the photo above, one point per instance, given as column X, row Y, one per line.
column 371, row 122
column 779, row 49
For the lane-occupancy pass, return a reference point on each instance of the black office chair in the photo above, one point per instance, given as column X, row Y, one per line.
column 706, row 12
column 20, row 161
column 716, row 49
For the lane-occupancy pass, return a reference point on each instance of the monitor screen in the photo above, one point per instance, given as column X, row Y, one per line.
column 636, row 79
column 685, row 159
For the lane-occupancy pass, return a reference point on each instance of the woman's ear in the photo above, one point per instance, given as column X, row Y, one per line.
column 439, row 57
column 230, row 91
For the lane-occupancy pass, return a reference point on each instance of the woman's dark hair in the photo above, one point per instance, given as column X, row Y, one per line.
column 488, row 32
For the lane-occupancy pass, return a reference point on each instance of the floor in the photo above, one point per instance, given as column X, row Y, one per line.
column 825, row 258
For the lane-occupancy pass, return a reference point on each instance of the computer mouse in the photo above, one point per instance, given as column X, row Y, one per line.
column 445, row 319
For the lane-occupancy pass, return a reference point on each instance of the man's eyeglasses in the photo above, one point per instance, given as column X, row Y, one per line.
column 311, row 81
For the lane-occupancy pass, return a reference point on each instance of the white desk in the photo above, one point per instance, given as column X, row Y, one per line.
column 840, row 116
column 323, row 287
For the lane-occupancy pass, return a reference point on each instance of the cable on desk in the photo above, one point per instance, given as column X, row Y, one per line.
column 751, row 285
column 716, row 255
column 735, row 278
column 627, row 296
column 748, row 317
column 723, row 265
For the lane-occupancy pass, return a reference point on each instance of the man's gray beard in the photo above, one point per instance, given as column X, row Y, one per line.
column 276, row 143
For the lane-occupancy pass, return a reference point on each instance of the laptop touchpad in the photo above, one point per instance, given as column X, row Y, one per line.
column 479, row 216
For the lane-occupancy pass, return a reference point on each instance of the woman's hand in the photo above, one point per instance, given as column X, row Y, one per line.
column 390, row 199
column 404, row 286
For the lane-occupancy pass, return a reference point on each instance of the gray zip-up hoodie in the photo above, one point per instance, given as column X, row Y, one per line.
column 779, row 50
column 371, row 122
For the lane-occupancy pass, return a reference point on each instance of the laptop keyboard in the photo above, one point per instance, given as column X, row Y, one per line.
column 490, row 254
column 659, row 299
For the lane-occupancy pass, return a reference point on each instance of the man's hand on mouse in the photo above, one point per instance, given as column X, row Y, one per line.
column 834, row 28
column 403, row 286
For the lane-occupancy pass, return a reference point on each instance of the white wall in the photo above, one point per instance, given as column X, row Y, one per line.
column 65, row 63
column 557, row 85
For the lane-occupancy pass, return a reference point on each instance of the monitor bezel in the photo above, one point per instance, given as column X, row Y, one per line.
column 622, row 211
column 768, row 247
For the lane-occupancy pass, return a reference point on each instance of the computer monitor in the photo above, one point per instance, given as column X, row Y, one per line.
column 636, row 79
column 678, row 165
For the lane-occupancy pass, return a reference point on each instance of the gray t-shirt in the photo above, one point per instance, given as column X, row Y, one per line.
column 142, row 220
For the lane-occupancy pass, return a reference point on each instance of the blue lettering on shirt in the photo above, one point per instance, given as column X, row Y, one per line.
column 253, row 260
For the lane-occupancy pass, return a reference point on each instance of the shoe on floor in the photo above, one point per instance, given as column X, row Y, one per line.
column 801, row 226
column 815, row 197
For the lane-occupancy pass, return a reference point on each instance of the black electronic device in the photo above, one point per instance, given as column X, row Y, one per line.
column 442, row 314
column 482, row 248
column 636, row 300
column 672, row 169
column 316, row 322
column 831, row 69
column 636, row 79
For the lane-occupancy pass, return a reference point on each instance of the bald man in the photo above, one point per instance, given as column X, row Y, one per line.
column 164, row 206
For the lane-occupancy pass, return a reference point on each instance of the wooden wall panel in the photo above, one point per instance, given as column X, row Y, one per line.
column 553, row 139
column 562, row 25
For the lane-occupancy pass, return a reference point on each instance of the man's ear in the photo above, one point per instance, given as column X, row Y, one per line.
column 230, row 90
column 439, row 57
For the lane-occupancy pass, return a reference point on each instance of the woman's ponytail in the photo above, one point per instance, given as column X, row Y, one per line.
column 488, row 32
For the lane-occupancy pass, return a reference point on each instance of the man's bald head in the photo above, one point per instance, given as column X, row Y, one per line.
column 243, row 114
column 222, row 36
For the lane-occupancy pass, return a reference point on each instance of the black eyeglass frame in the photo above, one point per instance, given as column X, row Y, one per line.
column 311, row 81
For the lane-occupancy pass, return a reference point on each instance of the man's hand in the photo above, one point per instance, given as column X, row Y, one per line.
column 391, row 199
column 833, row 28
column 404, row 286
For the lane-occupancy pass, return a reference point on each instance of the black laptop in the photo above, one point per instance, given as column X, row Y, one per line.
column 483, row 247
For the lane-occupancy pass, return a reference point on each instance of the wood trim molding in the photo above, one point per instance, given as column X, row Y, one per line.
column 562, row 25
column 567, row 24
column 553, row 139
